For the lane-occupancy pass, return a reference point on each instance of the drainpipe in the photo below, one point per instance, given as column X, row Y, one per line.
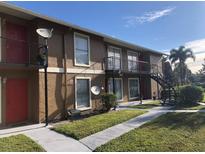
column 65, row 77
column 140, row 82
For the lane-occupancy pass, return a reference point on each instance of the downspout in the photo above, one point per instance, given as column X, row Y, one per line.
column 65, row 77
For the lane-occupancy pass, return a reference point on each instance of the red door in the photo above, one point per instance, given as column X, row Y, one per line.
column 16, row 100
column 16, row 44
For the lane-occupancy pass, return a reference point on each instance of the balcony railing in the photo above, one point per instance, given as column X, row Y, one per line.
column 13, row 51
column 130, row 66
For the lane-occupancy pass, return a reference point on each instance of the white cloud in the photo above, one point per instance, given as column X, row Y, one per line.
column 198, row 47
column 147, row 17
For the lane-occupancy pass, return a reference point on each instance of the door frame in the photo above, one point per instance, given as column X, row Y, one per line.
column 90, row 99
column 132, row 98
column 121, row 79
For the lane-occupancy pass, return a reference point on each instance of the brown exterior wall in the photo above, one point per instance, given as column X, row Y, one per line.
column 56, row 97
column 61, row 47
column 31, row 31
column 20, row 71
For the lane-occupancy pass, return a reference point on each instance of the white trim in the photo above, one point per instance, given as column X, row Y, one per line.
column 86, row 36
column 131, row 98
column 121, row 88
column 83, row 71
column 72, row 70
column 0, row 100
column 76, row 106
column 0, row 38
column 120, row 49
column 53, row 70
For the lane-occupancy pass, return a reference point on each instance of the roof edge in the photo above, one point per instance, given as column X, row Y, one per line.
column 67, row 24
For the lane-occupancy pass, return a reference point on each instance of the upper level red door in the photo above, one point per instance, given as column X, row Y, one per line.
column 16, row 100
column 16, row 44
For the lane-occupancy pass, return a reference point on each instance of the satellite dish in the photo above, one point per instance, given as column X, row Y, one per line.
column 95, row 90
column 46, row 33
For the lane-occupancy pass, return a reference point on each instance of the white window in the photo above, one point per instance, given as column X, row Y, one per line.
column 133, row 87
column 118, row 88
column 82, row 49
column 114, row 58
column 132, row 61
column 82, row 93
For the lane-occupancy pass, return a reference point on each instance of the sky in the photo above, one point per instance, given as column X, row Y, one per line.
column 161, row 26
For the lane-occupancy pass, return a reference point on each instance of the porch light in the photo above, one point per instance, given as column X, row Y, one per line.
column 46, row 34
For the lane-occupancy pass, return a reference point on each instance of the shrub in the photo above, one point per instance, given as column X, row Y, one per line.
column 189, row 95
column 109, row 101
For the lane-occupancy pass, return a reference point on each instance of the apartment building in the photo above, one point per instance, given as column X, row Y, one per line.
column 78, row 59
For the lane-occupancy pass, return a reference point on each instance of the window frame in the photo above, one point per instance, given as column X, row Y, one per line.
column 120, row 51
column 121, row 88
column 88, row 39
column 90, row 100
column 131, row 98
column 132, row 52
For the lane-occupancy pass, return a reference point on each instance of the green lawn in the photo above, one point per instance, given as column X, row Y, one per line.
column 193, row 107
column 19, row 143
column 171, row 132
column 82, row 128
column 148, row 105
column 203, row 98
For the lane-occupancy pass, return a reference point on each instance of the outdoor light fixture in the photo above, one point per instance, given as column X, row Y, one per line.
column 46, row 34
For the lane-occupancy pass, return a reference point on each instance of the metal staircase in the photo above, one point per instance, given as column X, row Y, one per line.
column 168, row 93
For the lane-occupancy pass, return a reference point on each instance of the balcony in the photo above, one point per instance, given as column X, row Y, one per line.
column 18, row 53
column 115, row 65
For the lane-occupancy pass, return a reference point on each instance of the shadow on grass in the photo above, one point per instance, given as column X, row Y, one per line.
column 190, row 107
column 191, row 121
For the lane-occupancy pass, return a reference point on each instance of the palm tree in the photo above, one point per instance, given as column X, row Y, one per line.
column 180, row 55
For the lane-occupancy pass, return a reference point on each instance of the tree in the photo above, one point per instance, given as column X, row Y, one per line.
column 168, row 73
column 179, row 56
column 202, row 70
column 186, row 75
column 201, row 73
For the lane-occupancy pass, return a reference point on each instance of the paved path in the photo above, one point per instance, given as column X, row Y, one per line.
column 189, row 111
column 132, row 103
column 100, row 138
column 19, row 130
column 52, row 141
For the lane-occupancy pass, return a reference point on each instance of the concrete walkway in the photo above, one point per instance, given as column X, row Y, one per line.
column 132, row 103
column 19, row 130
column 188, row 111
column 52, row 141
column 100, row 138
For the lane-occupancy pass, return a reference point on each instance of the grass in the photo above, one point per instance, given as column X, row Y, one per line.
column 169, row 133
column 148, row 105
column 193, row 107
column 19, row 143
column 203, row 98
column 82, row 128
